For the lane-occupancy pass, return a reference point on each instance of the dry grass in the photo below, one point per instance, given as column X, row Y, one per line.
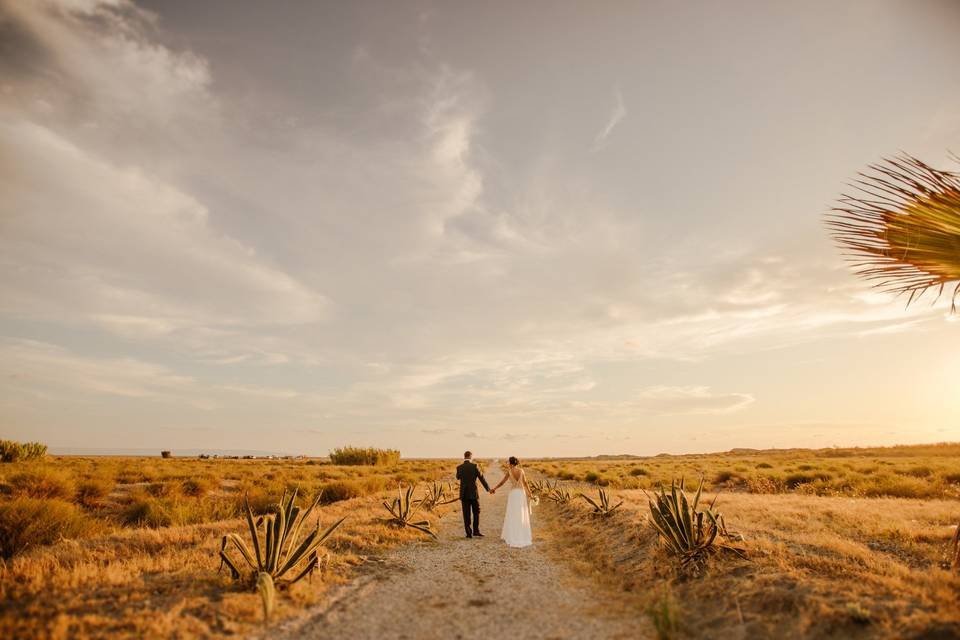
column 135, row 554
column 926, row 471
column 817, row 567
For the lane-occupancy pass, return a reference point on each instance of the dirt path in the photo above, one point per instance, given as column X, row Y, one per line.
column 460, row 588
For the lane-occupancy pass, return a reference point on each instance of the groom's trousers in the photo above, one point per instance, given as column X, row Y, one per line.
column 470, row 507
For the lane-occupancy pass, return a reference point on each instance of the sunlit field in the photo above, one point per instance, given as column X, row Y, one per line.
column 96, row 547
column 829, row 543
column 926, row 471
column 836, row 543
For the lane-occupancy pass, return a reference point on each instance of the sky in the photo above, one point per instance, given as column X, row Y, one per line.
column 537, row 228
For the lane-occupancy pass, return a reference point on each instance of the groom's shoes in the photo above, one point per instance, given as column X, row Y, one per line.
column 477, row 534
column 469, row 535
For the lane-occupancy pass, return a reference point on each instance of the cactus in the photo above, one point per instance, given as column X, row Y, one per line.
column 404, row 508
column 277, row 554
column 436, row 496
column 689, row 534
column 601, row 506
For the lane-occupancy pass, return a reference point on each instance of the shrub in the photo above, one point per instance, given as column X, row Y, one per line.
column 766, row 484
column 794, row 480
column 374, row 484
column 43, row 482
column 764, row 465
column 591, row 476
column 951, row 478
column 92, row 490
column 639, row 471
column 919, row 472
column 164, row 489
column 341, row 490
column 27, row 522
column 149, row 512
column 724, row 476
column 196, row 487
column 11, row 451
column 166, row 454
column 365, row 456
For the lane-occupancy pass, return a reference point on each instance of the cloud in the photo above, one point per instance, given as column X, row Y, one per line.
column 618, row 113
column 690, row 400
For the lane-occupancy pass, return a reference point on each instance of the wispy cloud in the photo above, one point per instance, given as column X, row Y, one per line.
column 617, row 114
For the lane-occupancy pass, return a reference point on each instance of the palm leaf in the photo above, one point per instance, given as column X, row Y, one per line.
column 900, row 228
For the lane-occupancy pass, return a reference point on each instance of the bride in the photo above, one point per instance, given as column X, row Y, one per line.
column 516, row 520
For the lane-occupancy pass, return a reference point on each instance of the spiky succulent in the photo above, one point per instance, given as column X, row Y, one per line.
column 542, row 487
column 404, row 508
column 437, row 495
column 277, row 552
column 688, row 533
column 901, row 227
column 601, row 506
column 560, row 495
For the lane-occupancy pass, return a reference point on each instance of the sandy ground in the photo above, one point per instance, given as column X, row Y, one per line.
column 464, row 588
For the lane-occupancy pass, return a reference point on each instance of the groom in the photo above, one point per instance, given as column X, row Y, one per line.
column 468, row 473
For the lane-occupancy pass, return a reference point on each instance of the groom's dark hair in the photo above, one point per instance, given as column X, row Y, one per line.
column 467, row 455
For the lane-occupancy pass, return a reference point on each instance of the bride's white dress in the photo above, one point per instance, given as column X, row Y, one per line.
column 516, row 521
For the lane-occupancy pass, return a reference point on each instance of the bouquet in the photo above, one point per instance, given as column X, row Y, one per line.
column 534, row 500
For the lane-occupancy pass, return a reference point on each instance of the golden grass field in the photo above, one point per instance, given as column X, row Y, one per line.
column 859, row 548
column 127, row 547
column 838, row 543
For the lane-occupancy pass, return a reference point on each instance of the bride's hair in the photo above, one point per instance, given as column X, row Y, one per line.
column 513, row 461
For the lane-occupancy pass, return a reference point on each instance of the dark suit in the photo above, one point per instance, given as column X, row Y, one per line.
column 468, row 474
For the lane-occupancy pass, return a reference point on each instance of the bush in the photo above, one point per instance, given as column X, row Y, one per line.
column 43, row 482
column 28, row 522
column 93, row 490
column 724, row 476
column 149, row 512
column 196, row 487
column 764, row 465
column 639, row 471
column 368, row 456
column 794, row 480
column 11, row 451
column 341, row 490
column 164, row 489
column 591, row 476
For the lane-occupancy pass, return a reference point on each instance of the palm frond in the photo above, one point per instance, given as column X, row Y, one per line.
column 900, row 227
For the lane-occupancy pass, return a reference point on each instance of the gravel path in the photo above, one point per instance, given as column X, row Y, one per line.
column 460, row 588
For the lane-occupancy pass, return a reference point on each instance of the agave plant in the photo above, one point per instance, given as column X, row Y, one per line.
column 542, row 487
column 901, row 228
column 601, row 506
column 403, row 509
column 688, row 533
column 437, row 495
column 277, row 558
column 560, row 495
